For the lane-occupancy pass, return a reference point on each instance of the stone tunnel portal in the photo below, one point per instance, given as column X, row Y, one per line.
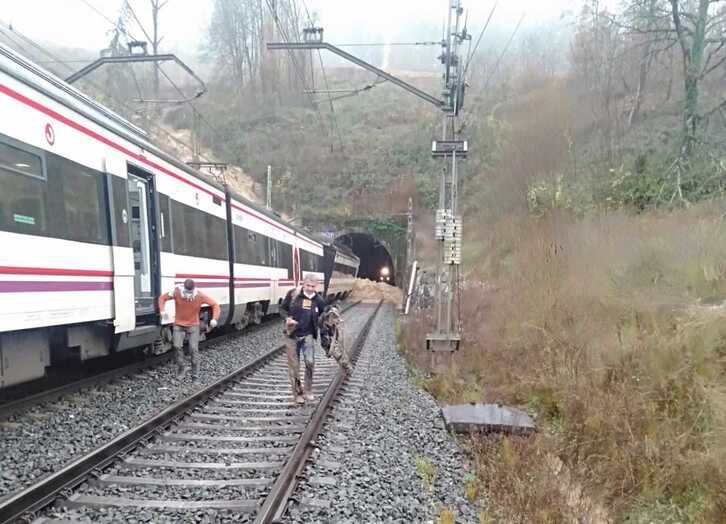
column 376, row 262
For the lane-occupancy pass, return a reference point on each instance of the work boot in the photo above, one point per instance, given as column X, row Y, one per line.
column 308, row 395
column 180, row 372
column 299, row 399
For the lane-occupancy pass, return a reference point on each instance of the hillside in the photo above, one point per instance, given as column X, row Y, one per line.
column 594, row 280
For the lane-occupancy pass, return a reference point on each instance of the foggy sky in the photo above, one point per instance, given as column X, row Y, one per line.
column 74, row 23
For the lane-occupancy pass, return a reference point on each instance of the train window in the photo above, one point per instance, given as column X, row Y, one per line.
column 344, row 269
column 20, row 162
column 310, row 261
column 216, row 235
column 77, row 201
column 241, row 246
column 251, row 247
column 22, row 203
column 23, row 195
column 284, row 253
column 272, row 251
column 165, row 226
column 196, row 233
column 178, row 231
column 120, row 210
column 263, row 250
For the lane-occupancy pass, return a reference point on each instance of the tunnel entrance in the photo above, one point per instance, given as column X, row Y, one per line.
column 376, row 262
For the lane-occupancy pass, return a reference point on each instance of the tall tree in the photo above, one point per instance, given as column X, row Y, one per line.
column 697, row 28
column 645, row 10
column 238, row 33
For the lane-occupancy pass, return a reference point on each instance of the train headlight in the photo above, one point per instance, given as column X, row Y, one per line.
column 385, row 272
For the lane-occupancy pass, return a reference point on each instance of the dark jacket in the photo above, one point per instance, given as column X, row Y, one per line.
column 294, row 308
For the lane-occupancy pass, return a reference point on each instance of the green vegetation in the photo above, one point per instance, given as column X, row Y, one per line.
column 426, row 471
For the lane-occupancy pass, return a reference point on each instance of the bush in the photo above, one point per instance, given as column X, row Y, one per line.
column 611, row 332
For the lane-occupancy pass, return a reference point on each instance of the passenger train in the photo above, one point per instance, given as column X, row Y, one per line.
column 96, row 222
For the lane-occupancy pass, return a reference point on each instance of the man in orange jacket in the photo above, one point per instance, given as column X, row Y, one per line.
column 188, row 302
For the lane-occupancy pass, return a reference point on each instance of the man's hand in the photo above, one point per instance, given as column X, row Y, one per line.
column 290, row 325
column 213, row 323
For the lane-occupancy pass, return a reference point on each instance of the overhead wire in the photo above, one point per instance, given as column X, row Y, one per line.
column 293, row 58
column 98, row 12
column 504, row 51
column 198, row 114
column 382, row 44
column 17, row 37
column 119, row 27
column 478, row 41
column 201, row 117
column 325, row 79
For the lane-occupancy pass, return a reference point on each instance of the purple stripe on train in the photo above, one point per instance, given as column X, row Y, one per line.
column 44, row 286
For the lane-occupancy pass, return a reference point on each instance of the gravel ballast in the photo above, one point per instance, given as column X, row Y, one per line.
column 252, row 494
column 48, row 436
column 385, row 455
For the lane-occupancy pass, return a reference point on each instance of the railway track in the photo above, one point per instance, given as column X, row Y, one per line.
column 16, row 405
column 234, row 447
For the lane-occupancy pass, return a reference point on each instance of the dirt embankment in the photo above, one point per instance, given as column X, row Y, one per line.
column 369, row 291
column 175, row 142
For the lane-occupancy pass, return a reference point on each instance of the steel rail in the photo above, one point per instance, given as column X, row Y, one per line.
column 9, row 408
column 21, row 506
column 44, row 492
column 275, row 504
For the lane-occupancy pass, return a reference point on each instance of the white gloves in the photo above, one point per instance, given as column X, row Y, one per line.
column 213, row 323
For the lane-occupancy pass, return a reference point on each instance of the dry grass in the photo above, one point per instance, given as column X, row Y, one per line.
column 611, row 332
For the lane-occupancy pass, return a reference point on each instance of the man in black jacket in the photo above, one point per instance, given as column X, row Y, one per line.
column 301, row 308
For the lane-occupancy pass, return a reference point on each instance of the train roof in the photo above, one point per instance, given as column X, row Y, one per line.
column 50, row 85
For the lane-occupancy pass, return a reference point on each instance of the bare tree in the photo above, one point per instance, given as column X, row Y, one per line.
column 596, row 48
column 698, row 29
column 643, row 10
column 238, row 33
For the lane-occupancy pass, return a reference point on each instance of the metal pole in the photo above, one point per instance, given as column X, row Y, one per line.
column 409, row 233
column 440, row 267
column 269, row 187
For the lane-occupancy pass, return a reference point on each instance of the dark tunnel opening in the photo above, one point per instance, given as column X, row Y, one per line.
column 376, row 262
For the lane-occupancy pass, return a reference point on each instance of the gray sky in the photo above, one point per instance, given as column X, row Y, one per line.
column 75, row 23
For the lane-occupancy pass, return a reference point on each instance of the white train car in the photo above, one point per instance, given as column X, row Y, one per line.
column 344, row 273
column 96, row 222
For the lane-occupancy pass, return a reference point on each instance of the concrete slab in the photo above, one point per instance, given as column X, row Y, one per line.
column 463, row 418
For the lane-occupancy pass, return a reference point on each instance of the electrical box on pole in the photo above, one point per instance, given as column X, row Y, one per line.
column 447, row 148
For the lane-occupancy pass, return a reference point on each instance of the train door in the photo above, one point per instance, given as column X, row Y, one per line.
column 143, row 242
column 273, row 263
column 327, row 266
column 296, row 266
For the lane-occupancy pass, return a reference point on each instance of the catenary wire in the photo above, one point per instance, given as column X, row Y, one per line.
column 327, row 87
